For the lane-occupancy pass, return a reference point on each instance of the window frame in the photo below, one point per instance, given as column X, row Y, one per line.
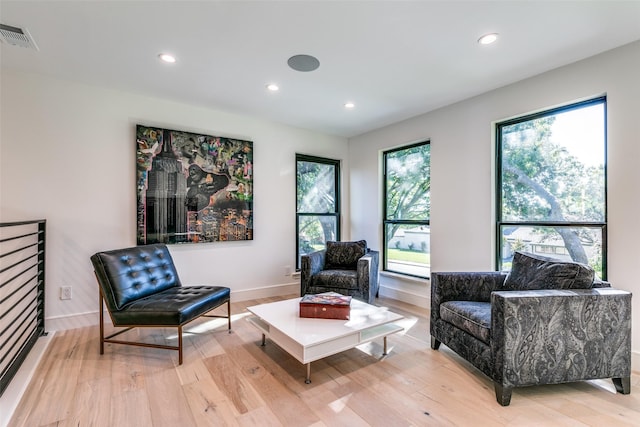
column 500, row 224
column 385, row 220
column 337, row 211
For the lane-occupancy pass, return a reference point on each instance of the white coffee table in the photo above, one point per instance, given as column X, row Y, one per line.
column 309, row 339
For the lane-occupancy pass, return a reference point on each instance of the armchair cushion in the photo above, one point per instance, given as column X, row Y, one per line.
column 470, row 316
column 135, row 273
column 174, row 306
column 344, row 255
column 532, row 272
column 341, row 279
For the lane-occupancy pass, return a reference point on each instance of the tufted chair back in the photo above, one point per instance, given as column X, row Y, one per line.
column 129, row 274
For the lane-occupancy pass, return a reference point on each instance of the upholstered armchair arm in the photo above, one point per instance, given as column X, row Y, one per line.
column 368, row 275
column 557, row 336
column 310, row 264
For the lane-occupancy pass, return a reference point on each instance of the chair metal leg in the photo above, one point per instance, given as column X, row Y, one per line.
column 229, row 313
column 180, row 345
column 101, row 324
column 307, row 380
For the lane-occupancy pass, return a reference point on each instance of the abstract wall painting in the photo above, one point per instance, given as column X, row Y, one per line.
column 192, row 188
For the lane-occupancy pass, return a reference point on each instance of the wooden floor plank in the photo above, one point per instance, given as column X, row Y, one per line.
column 130, row 408
column 168, row 405
column 235, row 387
column 209, row 405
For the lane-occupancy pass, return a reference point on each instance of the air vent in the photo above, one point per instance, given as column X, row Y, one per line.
column 17, row 37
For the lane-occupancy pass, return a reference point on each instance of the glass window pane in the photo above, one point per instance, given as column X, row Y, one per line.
column 580, row 244
column 316, row 187
column 553, row 167
column 408, row 183
column 314, row 232
column 408, row 249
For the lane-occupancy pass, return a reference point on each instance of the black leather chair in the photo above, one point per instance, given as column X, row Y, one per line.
column 141, row 288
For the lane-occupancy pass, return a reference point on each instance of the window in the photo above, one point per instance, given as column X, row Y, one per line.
column 407, row 208
column 317, row 203
column 551, row 185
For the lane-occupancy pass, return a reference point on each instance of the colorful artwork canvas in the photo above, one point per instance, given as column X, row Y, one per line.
column 192, row 188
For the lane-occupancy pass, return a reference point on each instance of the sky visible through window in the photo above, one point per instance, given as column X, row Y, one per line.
column 581, row 131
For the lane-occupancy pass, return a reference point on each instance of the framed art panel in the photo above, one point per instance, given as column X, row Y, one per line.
column 192, row 188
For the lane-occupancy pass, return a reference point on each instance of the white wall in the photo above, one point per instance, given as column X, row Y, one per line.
column 462, row 186
column 67, row 155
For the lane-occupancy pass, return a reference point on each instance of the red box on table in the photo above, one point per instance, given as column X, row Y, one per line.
column 329, row 305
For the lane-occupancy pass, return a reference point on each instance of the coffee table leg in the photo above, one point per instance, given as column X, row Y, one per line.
column 308, row 379
column 384, row 353
column 263, row 340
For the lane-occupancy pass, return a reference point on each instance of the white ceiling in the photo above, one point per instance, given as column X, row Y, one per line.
column 393, row 59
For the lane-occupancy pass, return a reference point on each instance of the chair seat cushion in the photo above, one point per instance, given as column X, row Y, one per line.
column 172, row 307
column 471, row 316
column 341, row 279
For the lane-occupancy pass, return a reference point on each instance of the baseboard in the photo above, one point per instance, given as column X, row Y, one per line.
column 12, row 395
column 635, row 361
column 404, row 296
column 71, row 321
column 267, row 291
column 80, row 320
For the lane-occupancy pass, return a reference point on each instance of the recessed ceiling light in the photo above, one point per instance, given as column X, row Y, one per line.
column 273, row 87
column 349, row 105
column 167, row 58
column 488, row 38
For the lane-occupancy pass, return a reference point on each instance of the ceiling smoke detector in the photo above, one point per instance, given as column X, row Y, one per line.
column 17, row 37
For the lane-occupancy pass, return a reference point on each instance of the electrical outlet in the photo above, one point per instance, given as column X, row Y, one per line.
column 65, row 292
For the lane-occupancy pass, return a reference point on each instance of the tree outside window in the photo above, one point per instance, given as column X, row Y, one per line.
column 552, row 185
column 317, row 203
column 407, row 207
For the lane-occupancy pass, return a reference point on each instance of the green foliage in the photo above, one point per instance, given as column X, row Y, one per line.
column 543, row 181
column 316, row 193
column 408, row 185
column 518, row 245
column 408, row 256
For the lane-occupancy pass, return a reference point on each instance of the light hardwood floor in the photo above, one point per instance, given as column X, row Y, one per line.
column 229, row 379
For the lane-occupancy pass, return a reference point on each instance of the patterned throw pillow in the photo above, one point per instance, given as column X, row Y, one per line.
column 344, row 255
column 529, row 272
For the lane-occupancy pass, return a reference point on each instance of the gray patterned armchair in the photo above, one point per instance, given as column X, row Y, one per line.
column 546, row 322
column 348, row 268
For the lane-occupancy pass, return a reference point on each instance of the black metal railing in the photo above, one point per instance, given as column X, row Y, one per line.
column 22, row 255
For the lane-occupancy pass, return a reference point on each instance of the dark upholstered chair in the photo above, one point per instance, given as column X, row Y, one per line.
column 546, row 322
column 141, row 288
column 348, row 268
